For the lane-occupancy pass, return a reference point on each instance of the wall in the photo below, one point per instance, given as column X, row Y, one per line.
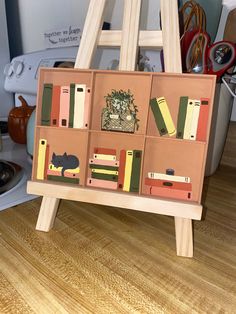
column 32, row 18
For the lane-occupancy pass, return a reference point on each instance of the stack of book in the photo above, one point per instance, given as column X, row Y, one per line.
column 108, row 172
column 191, row 121
column 169, row 185
column 104, row 169
column 66, row 106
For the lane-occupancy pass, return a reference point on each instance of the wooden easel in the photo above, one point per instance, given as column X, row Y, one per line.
column 129, row 39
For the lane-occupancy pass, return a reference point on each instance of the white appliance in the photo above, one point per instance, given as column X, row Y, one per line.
column 10, row 151
column 6, row 99
column 22, row 73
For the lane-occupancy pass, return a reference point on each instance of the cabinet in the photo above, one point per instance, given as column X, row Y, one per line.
column 157, row 154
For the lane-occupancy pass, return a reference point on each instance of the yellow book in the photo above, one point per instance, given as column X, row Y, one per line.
column 41, row 159
column 189, row 118
column 53, row 168
column 165, row 112
column 128, row 170
column 105, row 171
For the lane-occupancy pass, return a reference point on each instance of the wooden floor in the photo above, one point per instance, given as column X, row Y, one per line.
column 105, row 260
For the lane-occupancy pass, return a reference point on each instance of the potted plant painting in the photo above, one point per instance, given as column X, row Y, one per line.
column 120, row 113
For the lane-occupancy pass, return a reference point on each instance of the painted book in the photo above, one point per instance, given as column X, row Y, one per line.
column 121, row 174
column 160, row 123
column 189, row 118
column 203, row 119
column 80, row 91
column 162, row 103
column 63, row 179
column 56, row 91
column 72, row 104
column 183, row 103
column 42, row 150
column 46, row 104
column 64, row 106
column 194, row 126
column 102, row 183
column 135, row 172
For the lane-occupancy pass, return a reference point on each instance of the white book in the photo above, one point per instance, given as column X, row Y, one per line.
column 188, row 120
column 80, row 90
column 194, row 125
column 104, row 156
column 168, row 177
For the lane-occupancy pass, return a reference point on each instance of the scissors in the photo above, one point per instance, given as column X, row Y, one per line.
column 202, row 57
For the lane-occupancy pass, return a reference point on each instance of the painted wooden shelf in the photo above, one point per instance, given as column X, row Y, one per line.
column 159, row 153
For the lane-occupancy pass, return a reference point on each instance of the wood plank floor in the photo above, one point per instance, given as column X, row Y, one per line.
column 105, row 260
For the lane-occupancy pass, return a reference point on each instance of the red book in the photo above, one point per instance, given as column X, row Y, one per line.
column 170, row 193
column 170, row 189
column 104, row 151
column 55, row 105
column 121, row 172
column 202, row 120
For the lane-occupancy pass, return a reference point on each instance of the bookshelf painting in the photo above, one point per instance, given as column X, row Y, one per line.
column 146, row 169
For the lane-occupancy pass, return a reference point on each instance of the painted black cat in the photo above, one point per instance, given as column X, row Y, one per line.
column 65, row 161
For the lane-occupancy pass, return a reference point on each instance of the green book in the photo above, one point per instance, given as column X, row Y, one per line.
column 72, row 105
column 135, row 172
column 46, row 104
column 103, row 176
column 94, row 166
column 63, row 179
column 160, row 123
column 183, row 103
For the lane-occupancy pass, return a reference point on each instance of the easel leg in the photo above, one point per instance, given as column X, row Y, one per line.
column 184, row 237
column 47, row 214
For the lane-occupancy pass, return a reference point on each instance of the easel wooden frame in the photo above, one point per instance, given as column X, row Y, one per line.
column 129, row 38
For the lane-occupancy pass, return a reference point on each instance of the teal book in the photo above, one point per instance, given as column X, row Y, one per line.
column 63, row 179
column 135, row 172
column 183, row 103
column 46, row 104
column 104, row 176
column 160, row 123
column 72, row 105
column 95, row 166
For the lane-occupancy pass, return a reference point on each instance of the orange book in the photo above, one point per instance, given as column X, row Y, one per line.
column 121, row 175
column 55, row 105
column 104, row 151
